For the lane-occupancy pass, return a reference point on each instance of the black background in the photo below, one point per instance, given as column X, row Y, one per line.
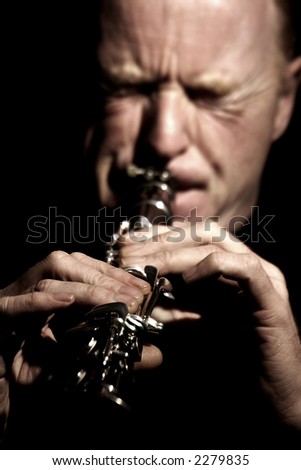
column 49, row 98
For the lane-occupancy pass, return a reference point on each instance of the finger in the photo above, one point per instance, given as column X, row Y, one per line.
column 34, row 302
column 163, row 240
column 87, row 294
column 165, row 315
column 200, row 235
column 171, row 261
column 4, row 395
column 4, row 392
column 23, row 372
column 187, row 235
column 81, row 268
column 113, row 272
column 76, row 267
column 151, row 357
column 245, row 269
column 141, row 235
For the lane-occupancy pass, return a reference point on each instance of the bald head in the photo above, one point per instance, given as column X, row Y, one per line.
column 199, row 87
column 284, row 28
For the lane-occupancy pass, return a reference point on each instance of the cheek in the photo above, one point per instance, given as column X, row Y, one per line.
column 121, row 126
column 234, row 143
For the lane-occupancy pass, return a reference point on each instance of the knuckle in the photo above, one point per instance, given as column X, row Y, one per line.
column 252, row 263
column 96, row 279
column 32, row 298
column 112, row 270
column 43, row 286
column 95, row 294
column 215, row 258
column 163, row 259
column 167, row 258
column 77, row 255
column 56, row 256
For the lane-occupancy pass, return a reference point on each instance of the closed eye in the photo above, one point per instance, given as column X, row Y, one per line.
column 124, row 90
column 203, row 95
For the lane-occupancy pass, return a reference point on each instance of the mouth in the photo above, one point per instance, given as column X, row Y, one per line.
column 187, row 179
column 182, row 184
column 123, row 181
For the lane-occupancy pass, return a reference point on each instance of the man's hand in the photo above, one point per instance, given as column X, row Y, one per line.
column 207, row 251
column 59, row 281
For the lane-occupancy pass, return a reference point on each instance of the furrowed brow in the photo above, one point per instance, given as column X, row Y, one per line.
column 125, row 73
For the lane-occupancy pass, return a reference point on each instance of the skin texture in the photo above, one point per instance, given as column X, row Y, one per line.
column 206, row 107
column 59, row 282
column 184, row 94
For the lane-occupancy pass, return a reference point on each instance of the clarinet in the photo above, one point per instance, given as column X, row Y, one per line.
column 100, row 352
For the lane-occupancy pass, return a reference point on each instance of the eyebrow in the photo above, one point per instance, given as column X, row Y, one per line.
column 131, row 73
column 128, row 72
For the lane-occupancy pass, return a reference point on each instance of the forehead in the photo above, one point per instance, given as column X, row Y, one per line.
column 165, row 35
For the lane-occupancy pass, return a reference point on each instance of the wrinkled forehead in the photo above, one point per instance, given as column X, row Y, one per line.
column 134, row 29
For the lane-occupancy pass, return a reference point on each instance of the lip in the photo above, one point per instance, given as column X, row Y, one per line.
column 184, row 185
column 181, row 184
column 184, row 179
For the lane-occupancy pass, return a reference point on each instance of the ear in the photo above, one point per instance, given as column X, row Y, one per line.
column 287, row 97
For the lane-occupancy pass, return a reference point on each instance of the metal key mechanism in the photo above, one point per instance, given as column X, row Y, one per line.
column 109, row 341
column 100, row 352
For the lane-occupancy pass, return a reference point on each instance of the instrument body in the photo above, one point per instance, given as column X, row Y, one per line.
column 100, row 352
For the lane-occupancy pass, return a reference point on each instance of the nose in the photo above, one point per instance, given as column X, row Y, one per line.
column 167, row 132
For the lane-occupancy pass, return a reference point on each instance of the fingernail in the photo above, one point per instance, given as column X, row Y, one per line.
column 64, row 297
column 130, row 292
column 140, row 283
column 133, row 306
column 144, row 286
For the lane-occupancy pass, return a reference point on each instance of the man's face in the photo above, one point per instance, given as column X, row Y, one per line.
column 192, row 87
